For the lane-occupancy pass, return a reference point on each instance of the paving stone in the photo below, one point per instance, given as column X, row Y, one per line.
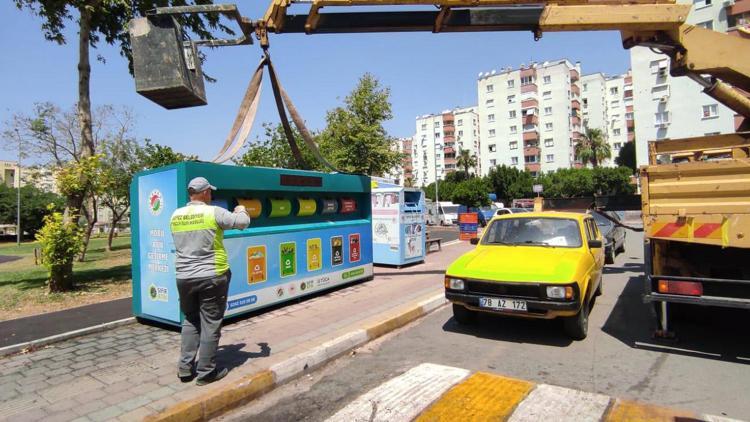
column 120, row 397
column 32, row 387
column 57, row 372
column 81, row 419
column 9, row 409
column 60, row 406
column 36, row 370
column 56, row 365
column 8, row 391
column 31, row 415
column 32, row 379
column 59, row 379
column 160, row 393
column 162, row 404
column 62, row 416
column 106, row 414
column 78, row 386
column 81, row 365
column 90, row 406
column 134, row 403
column 117, row 387
column 135, row 415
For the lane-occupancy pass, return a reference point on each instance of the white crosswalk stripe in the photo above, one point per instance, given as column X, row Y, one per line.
column 404, row 397
column 551, row 403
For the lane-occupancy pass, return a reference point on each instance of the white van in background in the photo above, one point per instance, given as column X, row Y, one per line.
column 448, row 212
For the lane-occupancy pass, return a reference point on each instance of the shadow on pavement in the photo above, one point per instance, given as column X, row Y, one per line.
column 441, row 272
column 625, row 268
column 232, row 356
column 704, row 332
column 517, row 330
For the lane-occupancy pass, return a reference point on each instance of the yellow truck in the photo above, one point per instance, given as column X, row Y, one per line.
column 695, row 196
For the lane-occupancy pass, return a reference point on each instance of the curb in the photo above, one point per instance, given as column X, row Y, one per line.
column 36, row 344
column 245, row 389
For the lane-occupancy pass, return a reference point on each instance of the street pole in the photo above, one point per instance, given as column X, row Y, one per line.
column 18, row 193
column 437, row 183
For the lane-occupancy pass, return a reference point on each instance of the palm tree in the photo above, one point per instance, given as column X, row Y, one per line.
column 465, row 160
column 593, row 147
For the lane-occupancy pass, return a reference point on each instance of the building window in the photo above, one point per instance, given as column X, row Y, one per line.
column 617, row 145
column 514, row 161
column 614, row 103
column 493, row 162
column 712, row 133
column 490, row 118
column 492, row 133
column 547, row 111
column 613, row 90
column 492, row 147
column 513, row 129
column 513, row 145
column 629, row 116
column 661, row 118
column 549, row 142
column 616, row 132
column 511, row 83
column 512, row 114
column 706, row 24
column 710, row 111
column 550, row 158
column 460, row 122
column 547, row 94
column 437, row 135
column 437, row 124
column 530, row 159
column 460, row 133
column 490, row 103
column 490, row 88
column 424, row 126
column 547, row 80
column 659, row 67
column 585, row 87
column 548, row 126
column 527, row 80
column 701, row 3
column 511, row 99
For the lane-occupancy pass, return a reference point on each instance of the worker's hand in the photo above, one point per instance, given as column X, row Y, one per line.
column 240, row 208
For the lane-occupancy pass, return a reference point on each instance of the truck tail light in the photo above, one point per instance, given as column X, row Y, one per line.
column 688, row 288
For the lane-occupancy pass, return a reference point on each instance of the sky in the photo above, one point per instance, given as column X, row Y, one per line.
column 426, row 73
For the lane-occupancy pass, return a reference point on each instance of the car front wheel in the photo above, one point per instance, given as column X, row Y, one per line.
column 577, row 326
column 609, row 255
column 463, row 316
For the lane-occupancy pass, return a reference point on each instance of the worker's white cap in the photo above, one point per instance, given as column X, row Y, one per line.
column 199, row 184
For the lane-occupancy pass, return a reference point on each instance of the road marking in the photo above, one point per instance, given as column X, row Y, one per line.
column 714, row 418
column 452, row 242
column 481, row 397
column 404, row 397
column 625, row 410
column 551, row 403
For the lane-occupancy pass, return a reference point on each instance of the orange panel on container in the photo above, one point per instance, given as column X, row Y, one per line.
column 253, row 206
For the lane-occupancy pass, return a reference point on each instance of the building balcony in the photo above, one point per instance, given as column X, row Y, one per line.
column 528, row 88
column 628, row 80
column 628, row 94
column 531, row 150
column 534, row 167
column 531, row 71
column 449, row 161
column 575, row 120
column 531, row 102
column 738, row 7
column 449, row 150
column 575, row 104
column 531, row 119
column 574, row 75
column 531, row 135
column 630, row 123
column 575, row 90
column 631, row 136
column 575, row 134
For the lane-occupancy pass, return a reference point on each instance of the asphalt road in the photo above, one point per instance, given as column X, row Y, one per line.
column 707, row 370
column 447, row 233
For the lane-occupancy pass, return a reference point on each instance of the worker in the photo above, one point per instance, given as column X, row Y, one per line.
column 202, row 278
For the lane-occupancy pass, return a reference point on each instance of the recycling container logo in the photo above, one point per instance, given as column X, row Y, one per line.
column 155, row 202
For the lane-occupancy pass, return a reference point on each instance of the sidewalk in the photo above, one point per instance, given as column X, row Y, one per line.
column 130, row 372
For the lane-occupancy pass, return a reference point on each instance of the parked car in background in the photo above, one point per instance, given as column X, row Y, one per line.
column 532, row 265
column 514, row 210
column 448, row 213
column 614, row 235
column 484, row 214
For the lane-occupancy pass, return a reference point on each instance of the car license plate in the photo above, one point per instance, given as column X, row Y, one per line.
column 502, row 303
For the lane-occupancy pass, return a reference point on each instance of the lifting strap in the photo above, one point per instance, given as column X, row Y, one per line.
column 246, row 116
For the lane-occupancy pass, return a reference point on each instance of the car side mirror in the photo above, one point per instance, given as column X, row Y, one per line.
column 595, row 244
column 475, row 241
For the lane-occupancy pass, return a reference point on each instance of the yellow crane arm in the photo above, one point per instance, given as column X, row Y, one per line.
column 659, row 24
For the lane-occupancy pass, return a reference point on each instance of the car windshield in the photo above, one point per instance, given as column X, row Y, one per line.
column 450, row 209
column 517, row 210
column 534, row 231
column 490, row 208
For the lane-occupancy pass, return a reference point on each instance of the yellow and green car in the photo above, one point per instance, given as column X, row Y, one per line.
column 533, row 265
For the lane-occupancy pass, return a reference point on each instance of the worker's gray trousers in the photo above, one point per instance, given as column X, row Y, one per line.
column 203, row 301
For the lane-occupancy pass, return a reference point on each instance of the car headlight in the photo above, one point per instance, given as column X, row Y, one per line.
column 454, row 283
column 559, row 292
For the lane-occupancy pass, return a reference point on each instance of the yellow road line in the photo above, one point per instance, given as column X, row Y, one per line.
column 482, row 396
column 625, row 410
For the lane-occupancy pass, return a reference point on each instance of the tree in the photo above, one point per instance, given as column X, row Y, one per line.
column 34, row 206
column 120, row 161
column 593, row 147
column 626, row 156
column 96, row 20
column 465, row 160
column 354, row 138
column 152, row 155
column 472, row 192
column 60, row 241
column 445, row 190
column 274, row 150
column 522, row 187
column 613, row 181
column 501, row 178
column 409, row 182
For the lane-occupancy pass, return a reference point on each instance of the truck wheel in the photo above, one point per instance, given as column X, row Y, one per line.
column 577, row 327
column 609, row 256
column 464, row 316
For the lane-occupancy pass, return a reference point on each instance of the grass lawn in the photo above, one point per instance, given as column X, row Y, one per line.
column 23, row 285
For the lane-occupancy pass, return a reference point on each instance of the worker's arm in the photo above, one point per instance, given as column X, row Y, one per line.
column 232, row 220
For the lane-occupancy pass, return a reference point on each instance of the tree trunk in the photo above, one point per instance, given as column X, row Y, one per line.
column 115, row 219
column 91, row 219
column 61, row 277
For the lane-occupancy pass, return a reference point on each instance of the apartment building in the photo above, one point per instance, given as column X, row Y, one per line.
column 530, row 117
column 667, row 107
column 438, row 140
column 9, row 173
